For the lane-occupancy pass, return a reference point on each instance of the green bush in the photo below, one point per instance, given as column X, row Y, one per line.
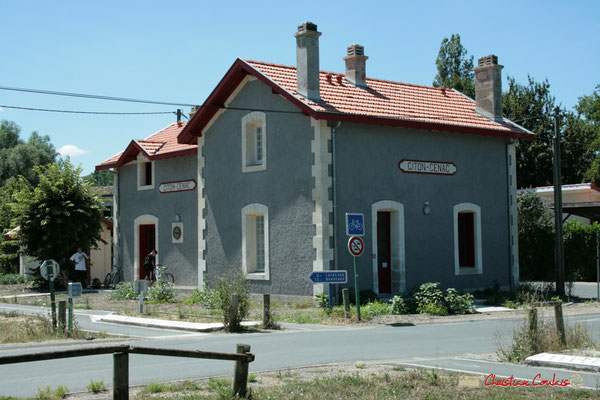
column 160, row 292
column 11, row 279
column 376, row 308
column 366, row 296
column 124, row 291
column 399, row 305
column 432, row 300
column 429, row 297
column 580, row 251
column 204, row 297
column 458, row 303
column 226, row 286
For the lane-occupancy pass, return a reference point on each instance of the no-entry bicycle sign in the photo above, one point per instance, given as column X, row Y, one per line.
column 356, row 246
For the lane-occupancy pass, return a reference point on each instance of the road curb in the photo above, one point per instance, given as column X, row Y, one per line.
column 165, row 324
column 578, row 363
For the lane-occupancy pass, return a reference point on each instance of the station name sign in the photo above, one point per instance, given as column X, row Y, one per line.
column 179, row 186
column 427, row 167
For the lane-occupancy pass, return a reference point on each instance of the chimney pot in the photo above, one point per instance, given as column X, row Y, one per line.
column 356, row 65
column 488, row 88
column 193, row 111
column 307, row 61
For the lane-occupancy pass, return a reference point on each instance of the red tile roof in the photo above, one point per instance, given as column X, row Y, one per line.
column 162, row 144
column 381, row 103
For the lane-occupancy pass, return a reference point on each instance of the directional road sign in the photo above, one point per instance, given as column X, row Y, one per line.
column 355, row 224
column 49, row 269
column 329, row 277
column 356, row 246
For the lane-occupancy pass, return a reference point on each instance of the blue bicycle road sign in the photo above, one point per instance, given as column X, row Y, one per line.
column 355, row 224
column 329, row 277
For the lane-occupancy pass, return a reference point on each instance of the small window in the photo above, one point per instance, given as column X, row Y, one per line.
column 255, row 241
column 148, row 174
column 467, row 239
column 145, row 172
column 254, row 142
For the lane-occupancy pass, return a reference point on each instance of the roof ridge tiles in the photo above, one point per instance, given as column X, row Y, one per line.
column 321, row 71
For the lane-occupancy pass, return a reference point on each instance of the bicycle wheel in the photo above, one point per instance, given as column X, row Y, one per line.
column 108, row 280
column 169, row 278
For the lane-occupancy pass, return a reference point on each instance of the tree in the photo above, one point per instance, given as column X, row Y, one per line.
column 536, row 233
column 59, row 214
column 100, row 178
column 588, row 108
column 531, row 106
column 455, row 67
column 18, row 157
column 9, row 257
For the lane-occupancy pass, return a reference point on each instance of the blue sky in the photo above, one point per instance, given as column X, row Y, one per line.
column 178, row 51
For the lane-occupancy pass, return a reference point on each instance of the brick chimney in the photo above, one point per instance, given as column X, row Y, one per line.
column 488, row 88
column 307, row 61
column 356, row 65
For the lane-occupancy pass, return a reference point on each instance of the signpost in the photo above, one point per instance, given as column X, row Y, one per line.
column 356, row 246
column 50, row 270
column 140, row 288
column 74, row 290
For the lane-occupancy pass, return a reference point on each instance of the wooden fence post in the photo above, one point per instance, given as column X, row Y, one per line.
column 560, row 323
column 346, row 297
column 121, row 376
column 62, row 315
column 240, row 373
column 266, row 310
column 233, row 313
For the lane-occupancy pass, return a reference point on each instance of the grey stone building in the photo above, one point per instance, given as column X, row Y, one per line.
column 276, row 155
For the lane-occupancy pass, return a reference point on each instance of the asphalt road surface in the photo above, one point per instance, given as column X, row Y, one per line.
column 295, row 346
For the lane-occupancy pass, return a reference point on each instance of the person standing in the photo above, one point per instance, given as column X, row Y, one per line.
column 80, row 261
column 149, row 265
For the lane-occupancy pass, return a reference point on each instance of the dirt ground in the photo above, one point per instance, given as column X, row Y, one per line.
column 101, row 300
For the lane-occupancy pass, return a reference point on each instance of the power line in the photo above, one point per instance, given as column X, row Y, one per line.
column 92, row 96
column 87, row 112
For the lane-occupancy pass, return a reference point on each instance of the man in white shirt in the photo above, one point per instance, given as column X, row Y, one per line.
column 80, row 260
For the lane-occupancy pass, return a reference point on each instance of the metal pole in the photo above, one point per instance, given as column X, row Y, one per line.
column 53, row 302
column 356, row 289
column 558, row 224
column 70, row 316
column 597, row 266
column 330, row 305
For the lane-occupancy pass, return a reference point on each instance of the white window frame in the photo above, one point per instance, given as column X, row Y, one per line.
column 476, row 210
column 141, row 173
column 249, row 241
column 250, row 122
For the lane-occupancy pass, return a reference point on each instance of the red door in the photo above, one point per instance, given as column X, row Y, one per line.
column 384, row 252
column 147, row 244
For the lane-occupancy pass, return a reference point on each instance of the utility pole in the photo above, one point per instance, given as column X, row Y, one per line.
column 559, row 258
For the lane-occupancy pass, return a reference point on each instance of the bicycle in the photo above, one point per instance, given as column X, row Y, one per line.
column 160, row 274
column 113, row 277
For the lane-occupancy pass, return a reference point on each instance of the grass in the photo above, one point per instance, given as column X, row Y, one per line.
column 96, row 386
column 389, row 383
column 48, row 393
column 19, row 328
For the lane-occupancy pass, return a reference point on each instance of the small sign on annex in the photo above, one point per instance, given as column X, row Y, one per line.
column 178, row 186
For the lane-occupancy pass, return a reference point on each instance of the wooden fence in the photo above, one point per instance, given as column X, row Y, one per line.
column 121, row 353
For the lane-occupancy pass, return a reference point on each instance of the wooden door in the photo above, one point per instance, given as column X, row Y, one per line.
column 384, row 252
column 147, row 244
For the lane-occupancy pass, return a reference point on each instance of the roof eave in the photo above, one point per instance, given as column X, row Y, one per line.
column 371, row 120
column 221, row 93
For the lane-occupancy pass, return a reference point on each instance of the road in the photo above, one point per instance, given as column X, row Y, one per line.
column 298, row 345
